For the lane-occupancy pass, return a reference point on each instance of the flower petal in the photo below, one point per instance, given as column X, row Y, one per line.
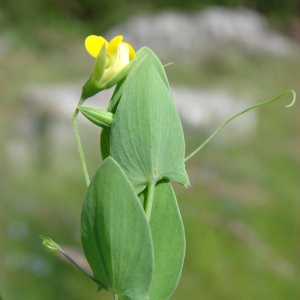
column 112, row 48
column 132, row 53
column 93, row 44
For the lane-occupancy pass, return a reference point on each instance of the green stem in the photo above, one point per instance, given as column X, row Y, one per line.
column 79, row 146
column 240, row 113
column 80, row 268
column 53, row 247
column 116, row 297
column 149, row 199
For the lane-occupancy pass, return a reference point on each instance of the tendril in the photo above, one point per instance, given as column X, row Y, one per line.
column 241, row 113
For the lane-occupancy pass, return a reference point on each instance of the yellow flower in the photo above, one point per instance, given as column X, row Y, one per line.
column 118, row 54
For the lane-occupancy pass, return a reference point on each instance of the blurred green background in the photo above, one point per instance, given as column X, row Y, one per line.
column 241, row 214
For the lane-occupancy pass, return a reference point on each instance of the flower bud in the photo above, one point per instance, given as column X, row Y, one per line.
column 99, row 117
column 50, row 244
column 113, row 61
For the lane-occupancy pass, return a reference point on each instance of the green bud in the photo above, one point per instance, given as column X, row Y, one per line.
column 50, row 244
column 99, row 117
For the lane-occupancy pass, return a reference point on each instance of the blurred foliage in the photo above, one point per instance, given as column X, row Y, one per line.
column 103, row 14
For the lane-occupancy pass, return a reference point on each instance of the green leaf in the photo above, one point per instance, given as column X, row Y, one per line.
column 146, row 136
column 115, row 99
column 168, row 241
column 116, row 236
column 105, row 143
column 112, row 106
column 160, row 69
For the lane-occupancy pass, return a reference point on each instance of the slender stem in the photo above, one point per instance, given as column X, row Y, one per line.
column 116, row 297
column 240, row 113
column 149, row 199
column 79, row 146
column 79, row 267
column 53, row 247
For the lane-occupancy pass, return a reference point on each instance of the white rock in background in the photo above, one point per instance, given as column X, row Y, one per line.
column 243, row 28
column 208, row 109
column 176, row 34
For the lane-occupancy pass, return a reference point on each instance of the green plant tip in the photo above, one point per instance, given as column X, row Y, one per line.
column 48, row 243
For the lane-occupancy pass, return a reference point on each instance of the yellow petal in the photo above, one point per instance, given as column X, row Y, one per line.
column 132, row 53
column 112, row 48
column 93, row 44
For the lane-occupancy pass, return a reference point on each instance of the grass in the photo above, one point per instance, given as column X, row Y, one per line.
column 241, row 214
